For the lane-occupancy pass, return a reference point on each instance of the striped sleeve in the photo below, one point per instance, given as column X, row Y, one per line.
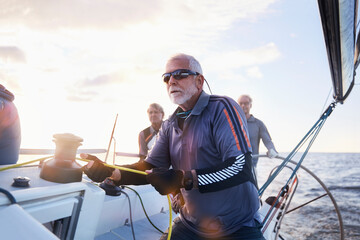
column 231, row 172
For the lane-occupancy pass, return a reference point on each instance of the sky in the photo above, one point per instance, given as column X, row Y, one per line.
column 73, row 65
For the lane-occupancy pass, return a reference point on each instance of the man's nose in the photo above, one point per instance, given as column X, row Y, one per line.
column 172, row 80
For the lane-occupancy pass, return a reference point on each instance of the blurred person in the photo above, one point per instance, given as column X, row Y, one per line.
column 10, row 132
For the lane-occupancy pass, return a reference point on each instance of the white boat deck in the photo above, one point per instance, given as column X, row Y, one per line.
column 114, row 220
column 81, row 208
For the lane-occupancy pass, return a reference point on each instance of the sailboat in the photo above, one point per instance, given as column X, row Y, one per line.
column 34, row 205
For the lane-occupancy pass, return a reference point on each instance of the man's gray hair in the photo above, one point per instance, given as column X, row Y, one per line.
column 157, row 107
column 245, row 95
column 194, row 64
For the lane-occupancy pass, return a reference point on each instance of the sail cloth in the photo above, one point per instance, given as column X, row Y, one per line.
column 339, row 19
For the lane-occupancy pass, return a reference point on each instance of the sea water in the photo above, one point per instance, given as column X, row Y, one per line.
column 340, row 172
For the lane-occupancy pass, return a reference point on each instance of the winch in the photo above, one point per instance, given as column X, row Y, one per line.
column 63, row 168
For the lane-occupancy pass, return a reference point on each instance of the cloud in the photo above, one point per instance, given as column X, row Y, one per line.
column 12, row 54
column 232, row 60
column 53, row 14
column 254, row 72
column 90, row 88
column 81, row 96
column 104, row 79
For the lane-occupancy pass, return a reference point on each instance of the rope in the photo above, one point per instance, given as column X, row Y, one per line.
column 170, row 217
column 25, row 163
column 131, row 221
column 9, row 195
column 142, row 204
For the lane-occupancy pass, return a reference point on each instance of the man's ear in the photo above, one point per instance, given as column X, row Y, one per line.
column 200, row 81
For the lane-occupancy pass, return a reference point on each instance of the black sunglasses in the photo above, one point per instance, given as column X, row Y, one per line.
column 178, row 74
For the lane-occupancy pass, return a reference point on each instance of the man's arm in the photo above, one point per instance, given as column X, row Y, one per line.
column 130, row 178
column 266, row 139
column 231, row 172
column 98, row 172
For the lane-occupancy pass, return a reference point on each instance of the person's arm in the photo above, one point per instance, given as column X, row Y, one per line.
column 98, row 172
column 232, row 172
column 266, row 139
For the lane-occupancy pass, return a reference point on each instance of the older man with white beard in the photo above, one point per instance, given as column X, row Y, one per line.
column 206, row 142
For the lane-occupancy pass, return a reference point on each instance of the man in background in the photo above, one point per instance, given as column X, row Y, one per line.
column 257, row 131
column 147, row 136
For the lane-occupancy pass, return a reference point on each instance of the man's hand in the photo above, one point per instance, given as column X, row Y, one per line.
column 164, row 180
column 95, row 169
column 272, row 153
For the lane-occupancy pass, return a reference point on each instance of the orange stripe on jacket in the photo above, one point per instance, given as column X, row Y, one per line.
column 242, row 128
column 147, row 139
column 232, row 129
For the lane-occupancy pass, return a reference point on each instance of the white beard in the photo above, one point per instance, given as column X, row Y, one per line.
column 184, row 96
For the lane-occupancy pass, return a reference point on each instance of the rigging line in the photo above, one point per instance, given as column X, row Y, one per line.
column 314, row 129
column 304, row 204
column 306, row 152
column 265, row 222
column 284, row 194
column 274, row 203
column 285, row 190
column 288, row 158
column 297, row 166
column 326, row 101
column 289, row 199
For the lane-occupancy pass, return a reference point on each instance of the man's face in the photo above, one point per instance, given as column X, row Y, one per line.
column 181, row 91
column 155, row 116
column 245, row 104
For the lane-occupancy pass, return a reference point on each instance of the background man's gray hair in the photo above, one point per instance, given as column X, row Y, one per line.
column 157, row 107
column 194, row 64
column 245, row 95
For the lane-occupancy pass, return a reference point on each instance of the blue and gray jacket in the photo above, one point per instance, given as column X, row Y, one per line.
column 10, row 133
